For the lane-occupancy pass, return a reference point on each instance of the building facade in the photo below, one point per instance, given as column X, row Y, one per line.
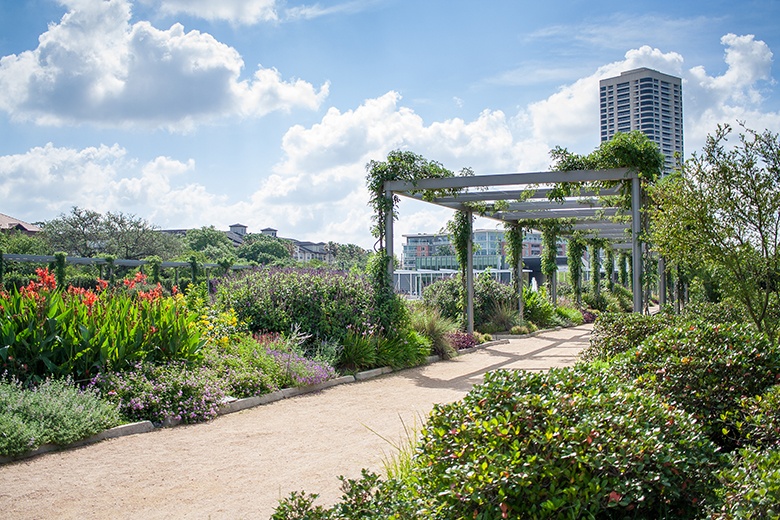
column 433, row 251
column 646, row 100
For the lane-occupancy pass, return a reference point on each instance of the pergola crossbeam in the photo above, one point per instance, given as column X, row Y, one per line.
column 591, row 215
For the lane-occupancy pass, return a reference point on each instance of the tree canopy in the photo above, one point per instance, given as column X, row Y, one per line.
column 88, row 233
column 723, row 211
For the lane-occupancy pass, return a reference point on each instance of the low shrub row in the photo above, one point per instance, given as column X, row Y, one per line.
column 570, row 443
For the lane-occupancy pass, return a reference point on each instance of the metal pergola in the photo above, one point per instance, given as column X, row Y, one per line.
column 510, row 197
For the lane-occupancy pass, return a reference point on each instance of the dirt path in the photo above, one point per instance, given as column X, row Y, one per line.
column 239, row 465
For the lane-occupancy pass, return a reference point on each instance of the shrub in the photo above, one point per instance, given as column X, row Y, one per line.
column 615, row 333
column 443, row 296
column 359, row 352
column 493, row 300
column 461, row 340
column 55, row 412
column 322, row 304
column 244, row 366
column 174, row 391
column 520, row 329
column 706, row 369
column 503, row 317
column 757, row 421
column 567, row 443
column 569, row 315
column 404, row 351
column 721, row 312
column 538, row 308
column 750, row 487
column 431, row 324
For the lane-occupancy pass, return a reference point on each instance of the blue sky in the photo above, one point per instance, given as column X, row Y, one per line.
column 265, row 112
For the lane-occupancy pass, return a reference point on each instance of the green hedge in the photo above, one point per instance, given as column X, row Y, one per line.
column 615, row 333
column 750, row 487
column 706, row 369
column 570, row 443
column 323, row 304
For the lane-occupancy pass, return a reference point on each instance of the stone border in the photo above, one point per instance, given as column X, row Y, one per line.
column 231, row 405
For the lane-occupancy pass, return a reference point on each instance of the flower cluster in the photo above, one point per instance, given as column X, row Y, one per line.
column 460, row 340
column 174, row 391
column 299, row 370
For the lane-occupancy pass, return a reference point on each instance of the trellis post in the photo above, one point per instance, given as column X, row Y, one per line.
column 636, row 246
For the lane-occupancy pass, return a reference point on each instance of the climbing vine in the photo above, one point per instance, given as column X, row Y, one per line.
column 514, row 242
column 459, row 229
column 575, row 250
column 399, row 166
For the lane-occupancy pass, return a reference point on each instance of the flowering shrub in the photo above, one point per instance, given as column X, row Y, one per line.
column 49, row 331
column 460, row 340
column 322, row 304
column 55, row 411
column 616, row 332
column 173, row 391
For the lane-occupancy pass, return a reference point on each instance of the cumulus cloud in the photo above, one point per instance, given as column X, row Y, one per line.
column 95, row 66
column 246, row 12
column 49, row 180
column 569, row 117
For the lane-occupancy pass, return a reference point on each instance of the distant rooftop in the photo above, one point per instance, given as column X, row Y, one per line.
column 11, row 223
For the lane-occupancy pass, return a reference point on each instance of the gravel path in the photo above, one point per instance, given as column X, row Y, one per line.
column 239, row 465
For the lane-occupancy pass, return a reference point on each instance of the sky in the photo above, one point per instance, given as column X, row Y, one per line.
column 191, row 113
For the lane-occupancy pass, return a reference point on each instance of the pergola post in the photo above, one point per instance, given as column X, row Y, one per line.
column 470, row 275
column 520, row 280
column 661, row 281
column 389, row 238
column 636, row 249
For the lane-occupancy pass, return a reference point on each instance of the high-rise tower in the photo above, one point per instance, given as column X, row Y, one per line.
column 645, row 100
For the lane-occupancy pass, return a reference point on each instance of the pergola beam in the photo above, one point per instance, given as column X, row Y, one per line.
column 590, row 215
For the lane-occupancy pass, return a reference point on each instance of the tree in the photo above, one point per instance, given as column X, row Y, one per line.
column 210, row 241
column 723, row 212
column 262, row 249
column 82, row 232
column 87, row 233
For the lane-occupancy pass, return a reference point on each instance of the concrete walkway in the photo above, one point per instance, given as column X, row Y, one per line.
column 239, row 465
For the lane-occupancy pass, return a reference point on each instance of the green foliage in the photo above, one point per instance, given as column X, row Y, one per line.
column 172, row 391
column 55, row 412
column 322, row 304
column 443, row 296
column 574, row 251
column 244, row 366
column 263, row 249
column 723, row 212
column 706, row 369
column 45, row 331
column 720, row 312
column 87, row 233
column 569, row 315
column 614, row 333
column 359, row 352
column 751, row 487
column 538, row 308
column 568, row 443
column 757, row 421
column 513, row 237
column 430, row 323
column 403, row 350
column 551, row 230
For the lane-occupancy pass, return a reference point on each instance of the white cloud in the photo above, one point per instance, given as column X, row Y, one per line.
column 95, row 66
column 246, row 12
column 317, row 189
column 569, row 117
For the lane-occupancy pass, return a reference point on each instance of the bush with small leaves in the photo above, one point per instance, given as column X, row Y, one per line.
column 570, row 443
column 706, row 369
column 750, row 487
column 615, row 333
